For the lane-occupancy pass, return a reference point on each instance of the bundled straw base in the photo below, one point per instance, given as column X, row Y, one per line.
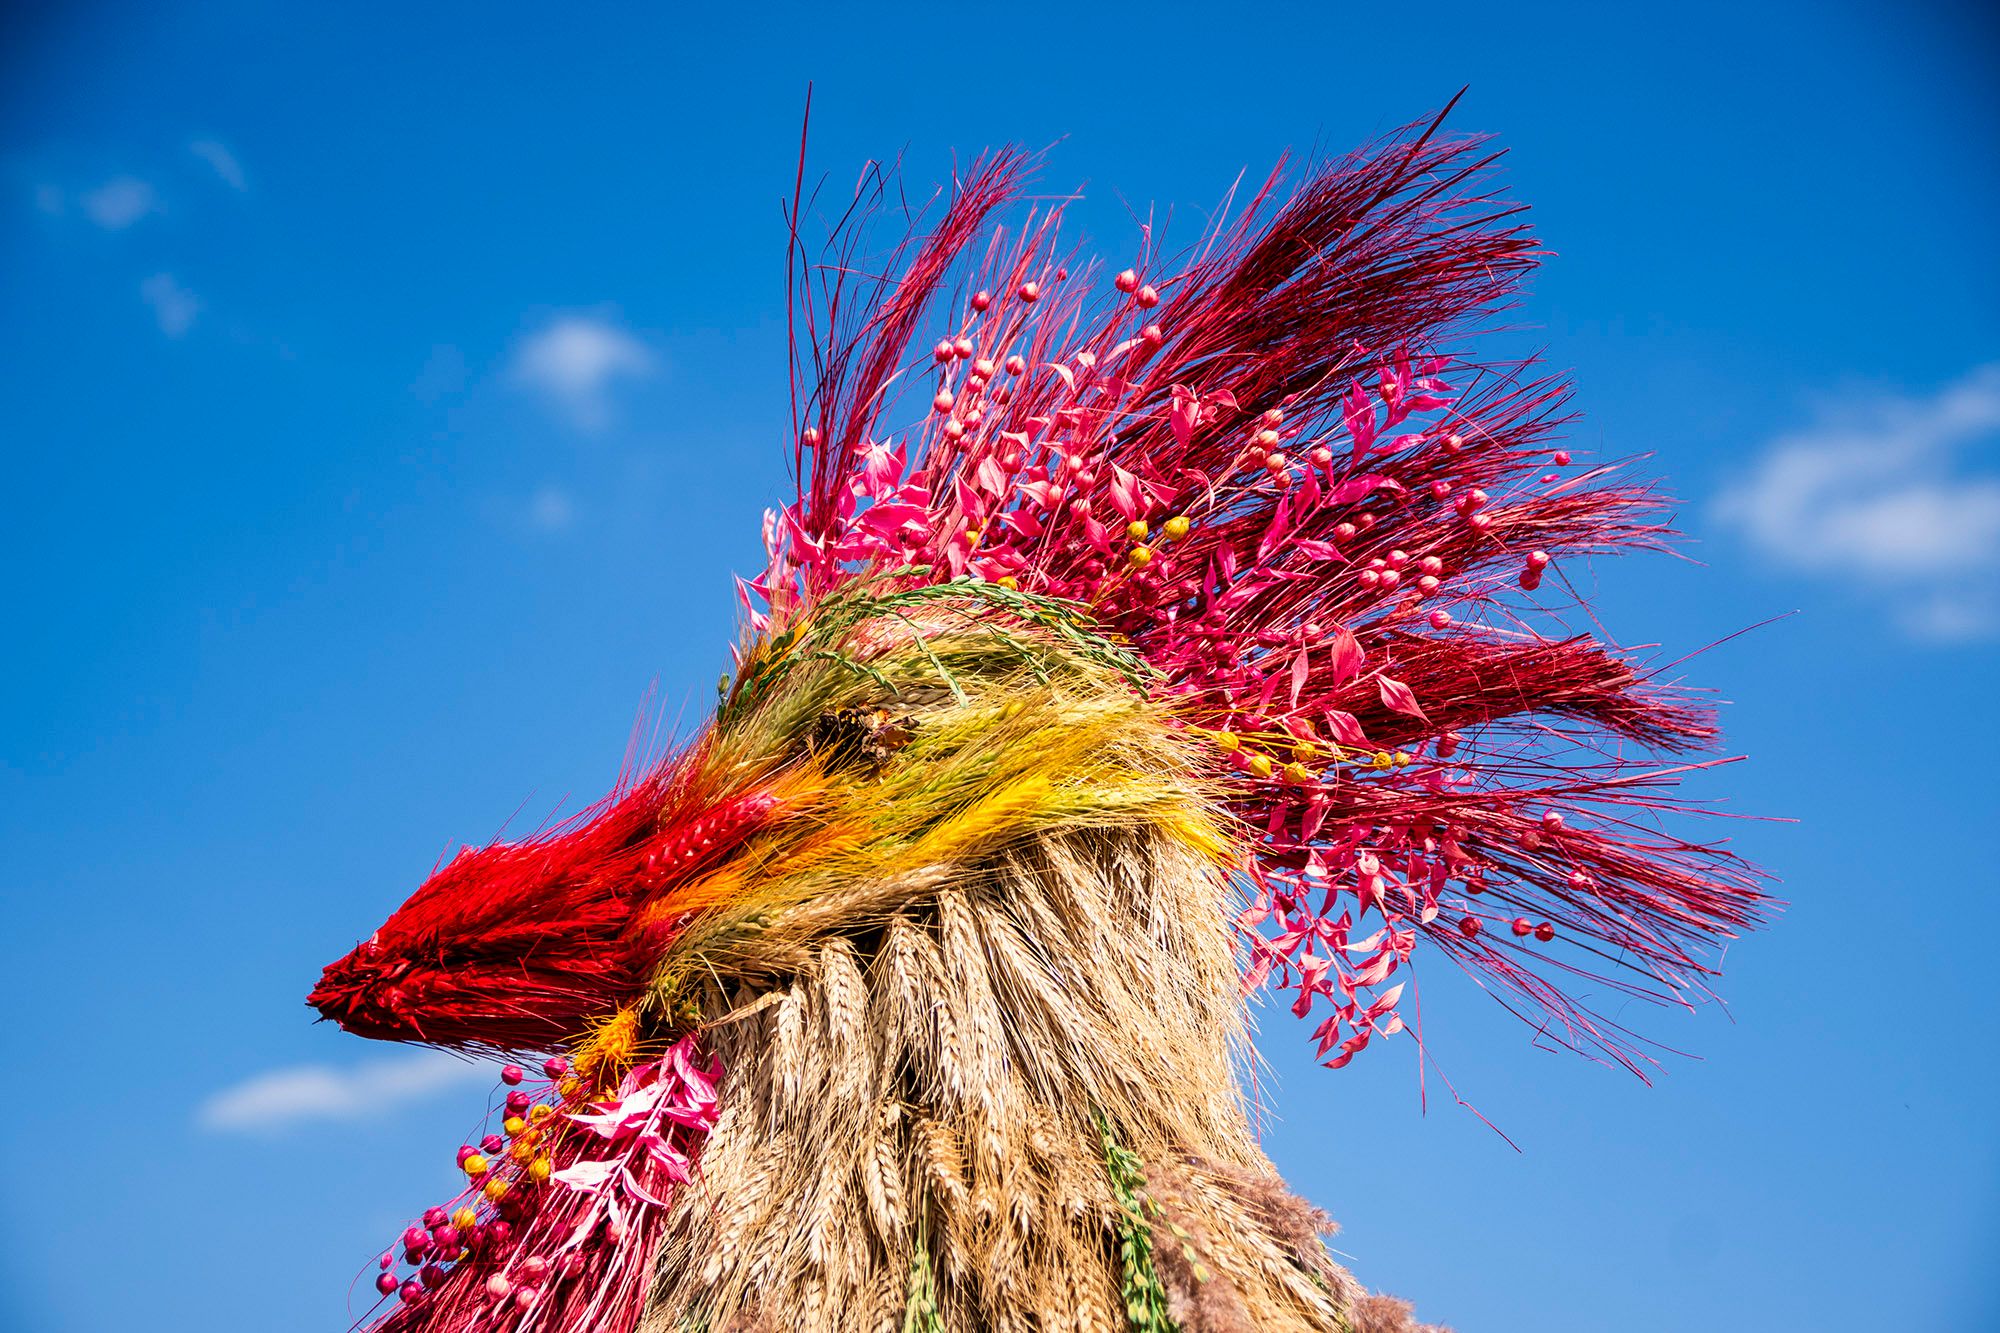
column 915, row 1124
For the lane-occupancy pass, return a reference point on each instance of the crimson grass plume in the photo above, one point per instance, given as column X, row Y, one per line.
column 1137, row 642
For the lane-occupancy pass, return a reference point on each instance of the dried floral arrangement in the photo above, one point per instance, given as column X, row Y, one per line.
column 1137, row 643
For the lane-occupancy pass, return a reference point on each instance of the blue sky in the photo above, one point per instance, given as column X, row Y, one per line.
column 389, row 393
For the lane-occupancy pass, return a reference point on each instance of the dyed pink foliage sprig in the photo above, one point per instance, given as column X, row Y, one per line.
column 1273, row 469
column 567, row 1244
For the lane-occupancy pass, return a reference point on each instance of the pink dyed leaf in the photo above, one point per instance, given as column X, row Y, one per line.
column 588, row 1177
column 1396, row 695
column 1184, row 415
column 1345, row 728
column 1125, row 496
column 1353, row 489
column 1345, row 657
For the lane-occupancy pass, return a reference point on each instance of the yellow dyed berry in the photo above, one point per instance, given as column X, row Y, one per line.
column 496, row 1190
column 1140, row 555
column 1261, row 765
column 521, row 1151
column 475, row 1165
column 513, row 1125
column 538, row 1113
column 1226, row 740
column 1402, row 759
column 1381, row 759
column 1008, row 581
column 1177, row 526
column 539, row 1170
column 465, row 1219
column 1298, row 773
column 1137, row 529
column 1303, row 752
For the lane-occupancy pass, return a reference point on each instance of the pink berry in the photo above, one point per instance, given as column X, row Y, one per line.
column 498, row 1287
column 1522, row 925
column 1545, row 932
column 431, row 1275
column 982, row 299
column 386, row 1283
column 534, row 1268
column 555, row 1066
column 412, row 1292
column 525, row 1296
column 1562, row 458
column 512, row 1074
column 1030, row 292
column 1152, row 335
column 1439, row 619
column 1147, row 297
column 417, row 1238
column 518, row 1103
column 1127, row 282
column 492, row 1144
column 1468, row 926
column 388, row 1260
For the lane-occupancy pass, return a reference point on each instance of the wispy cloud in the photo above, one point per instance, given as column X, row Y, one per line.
column 174, row 306
column 551, row 510
column 574, row 361
column 1898, row 496
column 120, row 202
column 283, row 1098
column 222, row 161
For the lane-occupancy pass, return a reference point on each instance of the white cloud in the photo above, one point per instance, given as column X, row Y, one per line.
column 575, row 360
column 551, row 510
column 1897, row 495
column 120, row 202
column 222, row 160
column 173, row 305
column 286, row 1097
